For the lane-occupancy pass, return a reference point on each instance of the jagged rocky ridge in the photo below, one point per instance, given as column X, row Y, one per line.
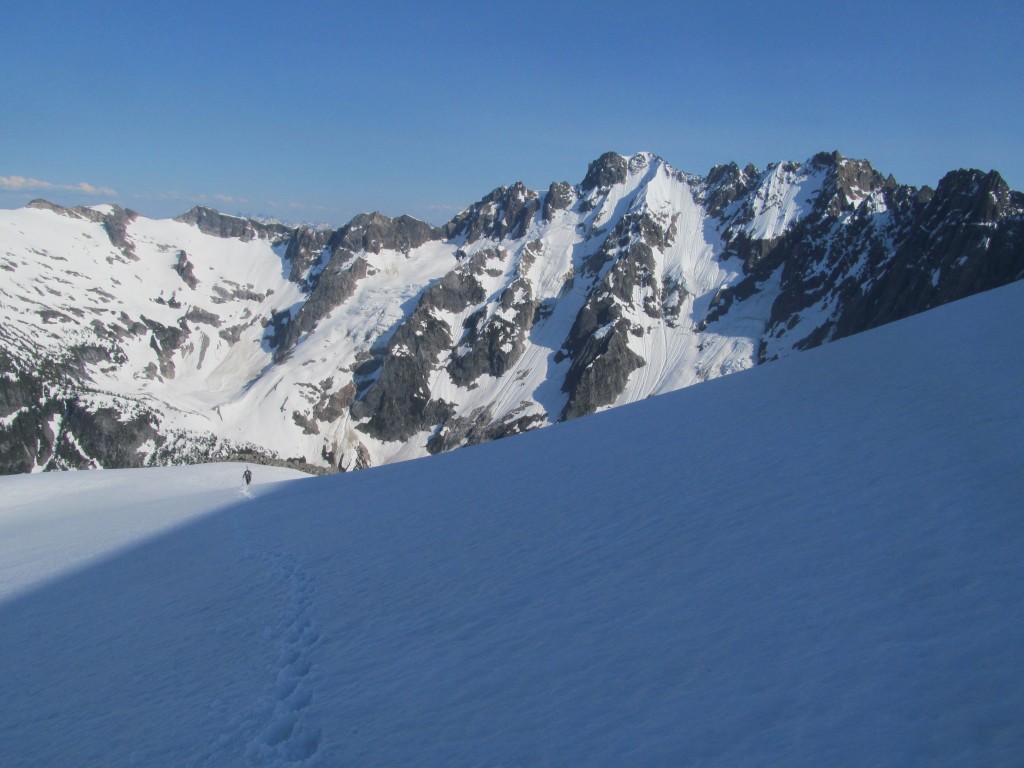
column 127, row 341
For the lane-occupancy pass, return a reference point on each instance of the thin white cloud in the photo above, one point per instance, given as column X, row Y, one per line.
column 22, row 183
column 17, row 183
column 88, row 188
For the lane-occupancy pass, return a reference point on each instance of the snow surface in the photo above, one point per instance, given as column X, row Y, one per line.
column 817, row 562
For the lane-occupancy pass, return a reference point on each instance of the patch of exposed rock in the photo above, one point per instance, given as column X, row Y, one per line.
column 479, row 427
column 211, row 222
column 397, row 404
column 186, row 270
column 505, row 213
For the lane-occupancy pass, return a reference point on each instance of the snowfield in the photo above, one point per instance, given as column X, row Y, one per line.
column 816, row 562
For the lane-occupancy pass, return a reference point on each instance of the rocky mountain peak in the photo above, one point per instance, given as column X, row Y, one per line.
column 212, row 222
column 609, row 169
column 80, row 212
column 975, row 195
column 504, row 212
column 305, row 253
column 847, row 181
column 726, row 183
column 373, row 232
column 560, row 196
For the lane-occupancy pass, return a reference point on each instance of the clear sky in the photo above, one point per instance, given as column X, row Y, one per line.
column 316, row 111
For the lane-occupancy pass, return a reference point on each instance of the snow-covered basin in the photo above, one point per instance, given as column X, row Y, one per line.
column 815, row 562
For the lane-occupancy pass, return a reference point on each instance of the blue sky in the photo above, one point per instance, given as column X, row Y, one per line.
column 315, row 111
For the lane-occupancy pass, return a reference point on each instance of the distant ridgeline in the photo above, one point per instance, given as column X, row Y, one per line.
column 127, row 341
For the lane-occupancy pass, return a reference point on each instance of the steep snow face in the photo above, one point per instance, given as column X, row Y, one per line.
column 129, row 341
column 811, row 563
column 783, row 196
column 688, row 271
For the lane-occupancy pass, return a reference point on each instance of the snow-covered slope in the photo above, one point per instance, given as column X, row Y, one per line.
column 816, row 562
column 126, row 341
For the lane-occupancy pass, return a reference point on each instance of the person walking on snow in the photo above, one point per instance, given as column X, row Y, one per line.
column 247, row 476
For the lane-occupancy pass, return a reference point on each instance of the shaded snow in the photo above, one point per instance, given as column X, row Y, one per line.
column 815, row 562
column 95, row 514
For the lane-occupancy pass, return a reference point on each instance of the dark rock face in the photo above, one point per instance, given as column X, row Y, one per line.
column 334, row 286
column 397, row 403
column 725, row 184
column 85, row 436
column 847, row 182
column 235, row 292
column 598, row 340
column 361, row 460
column 202, row 317
column 309, row 427
column 601, row 367
column 232, row 334
column 876, row 262
column 504, row 213
column 374, row 232
column 103, row 434
column 968, row 237
column 116, row 224
column 673, row 295
column 492, row 344
column 625, row 274
column 561, row 195
column 609, row 169
column 333, row 405
column 80, row 212
column 214, row 223
column 305, row 253
column 80, row 356
column 479, row 427
column 459, row 288
column 186, row 270
column 164, row 341
column 22, row 397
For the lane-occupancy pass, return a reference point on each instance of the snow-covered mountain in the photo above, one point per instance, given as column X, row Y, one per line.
column 126, row 341
column 812, row 563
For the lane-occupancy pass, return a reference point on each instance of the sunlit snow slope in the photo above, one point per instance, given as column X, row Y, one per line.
column 817, row 562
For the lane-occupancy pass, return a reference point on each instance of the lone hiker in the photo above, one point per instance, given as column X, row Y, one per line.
column 247, row 476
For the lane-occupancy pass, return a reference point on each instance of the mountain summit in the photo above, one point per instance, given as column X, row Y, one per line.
column 127, row 341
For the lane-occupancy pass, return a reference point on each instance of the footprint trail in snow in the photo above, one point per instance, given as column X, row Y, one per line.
column 277, row 730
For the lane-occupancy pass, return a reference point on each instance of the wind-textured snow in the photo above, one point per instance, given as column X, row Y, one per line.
column 817, row 562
